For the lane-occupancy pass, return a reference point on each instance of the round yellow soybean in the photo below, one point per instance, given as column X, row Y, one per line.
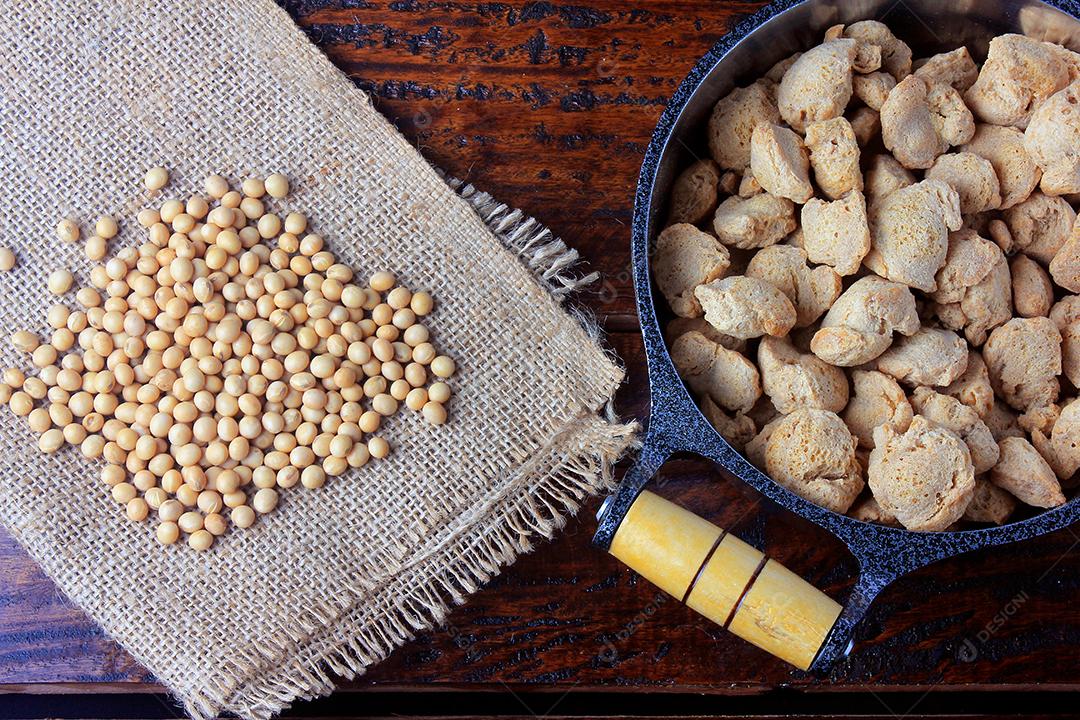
column 156, row 178
column 443, row 366
column 434, row 413
column 382, row 281
column 67, row 231
column 216, row 186
column 215, row 524
column 200, row 540
column 378, row 447
column 276, row 185
column 137, row 509
column 439, row 392
column 242, row 516
column 168, row 533
column 60, row 282
column 106, row 227
column 265, row 501
column 51, row 440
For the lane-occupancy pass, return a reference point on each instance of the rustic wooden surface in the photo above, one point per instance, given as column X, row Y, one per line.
column 549, row 107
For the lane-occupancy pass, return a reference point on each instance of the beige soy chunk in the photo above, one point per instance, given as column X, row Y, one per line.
column 837, row 233
column 974, row 291
column 1023, row 357
column 1070, row 352
column 1024, row 473
column 999, row 233
column 876, row 399
column 1016, row 170
column 1019, row 73
column 795, row 239
column 931, row 356
column 811, row 290
column 1060, row 446
column 873, row 88
column 1040, row 418
column 907, row 127
column 989, row 504
column 834, row 156
column 686, row 257
column 868, row 510
column 695, row 192
column 973, row 387
column 1002, row 422
column 763, row 412
column 885, row 175
column 1053, row 141
column 1065, row 267
column 733, row 120
column 972, row 177
column 923, row 476
column 811, row 453
column 955, row 68
column 780, row 162
column 950, row 413
column 1065, row 311
column 712, row 370
column 909, row 229
column 920, row 122
column 895, row 53
column 680, row 325
column 1040, row 225
column 1065, row 315
column 1033, row 293
column 860, row 324
column 748, row 185
column 1061, row 460
column 793, row 380
column 817, row 86
column 776, row 72
column 952, row 120
column 867, row 54
column 754, row 222
column 866, row 124
column 755, row 449
column 746, row 307
column 737, row 430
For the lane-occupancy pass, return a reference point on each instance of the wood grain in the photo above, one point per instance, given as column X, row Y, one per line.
column 549, row 107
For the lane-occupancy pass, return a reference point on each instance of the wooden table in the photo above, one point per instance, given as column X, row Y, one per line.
column 549, row 108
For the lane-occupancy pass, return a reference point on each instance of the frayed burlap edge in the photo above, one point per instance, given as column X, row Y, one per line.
column 572, row 465
column 352, row 642
column 548, row 257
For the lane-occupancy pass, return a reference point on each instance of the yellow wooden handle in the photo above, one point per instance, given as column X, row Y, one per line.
column 724, row 579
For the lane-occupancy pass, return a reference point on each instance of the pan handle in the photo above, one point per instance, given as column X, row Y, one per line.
column 868, row 585
column 724, row 579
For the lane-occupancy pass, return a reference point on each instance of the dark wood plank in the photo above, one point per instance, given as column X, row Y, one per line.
column 549, row 107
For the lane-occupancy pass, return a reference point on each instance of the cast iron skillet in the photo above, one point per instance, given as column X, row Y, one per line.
column 675, row 423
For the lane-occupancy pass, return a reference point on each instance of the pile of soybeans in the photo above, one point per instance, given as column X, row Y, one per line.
column 226, row 358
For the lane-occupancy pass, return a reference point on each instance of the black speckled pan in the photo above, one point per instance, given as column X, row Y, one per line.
column 675, row 423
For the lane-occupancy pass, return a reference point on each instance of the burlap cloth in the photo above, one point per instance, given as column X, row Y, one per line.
column 94, row 92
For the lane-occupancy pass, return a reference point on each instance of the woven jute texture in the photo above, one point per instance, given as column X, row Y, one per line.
column 92, row 94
